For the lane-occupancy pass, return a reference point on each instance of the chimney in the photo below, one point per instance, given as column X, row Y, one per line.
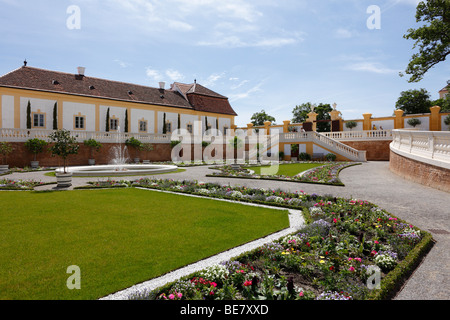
column 162, row 85
column 81, row 71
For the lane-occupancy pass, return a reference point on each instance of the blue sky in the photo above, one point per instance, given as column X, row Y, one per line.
column 261, row 54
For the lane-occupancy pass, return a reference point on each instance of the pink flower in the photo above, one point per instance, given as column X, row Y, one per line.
column 300, row 294
column 350, row 259
column 171, row 296
column 351, row 269
column 247, row 283
column 179, row 295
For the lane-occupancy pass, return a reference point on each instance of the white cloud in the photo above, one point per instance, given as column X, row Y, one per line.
column 174, row 75
column 342, row 33
column 212, row 79
column 246, row 94
column 121, row 63
column 154, row 74
column 374, row 67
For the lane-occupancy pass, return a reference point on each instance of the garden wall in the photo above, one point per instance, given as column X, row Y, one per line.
column 420, row 172
column 375, row 150
column 21, row 157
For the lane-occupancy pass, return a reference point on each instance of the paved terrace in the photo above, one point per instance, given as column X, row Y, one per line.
column 421, row 206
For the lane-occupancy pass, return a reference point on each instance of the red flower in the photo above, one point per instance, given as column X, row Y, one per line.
column 332, row 268
column 247, row 283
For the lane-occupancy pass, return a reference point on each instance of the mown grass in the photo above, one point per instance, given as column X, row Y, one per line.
column 117, row 237
column 288, row 170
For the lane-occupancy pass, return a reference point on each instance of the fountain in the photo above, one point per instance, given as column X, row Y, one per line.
column 119, row 165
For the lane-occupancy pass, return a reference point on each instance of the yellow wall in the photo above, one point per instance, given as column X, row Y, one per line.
column 60, row 98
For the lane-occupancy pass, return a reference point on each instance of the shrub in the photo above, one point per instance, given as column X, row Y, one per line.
column 330, row 157
column 414, row 122
column 304, row 156
column 35, row 146
column 93, row 145
column 5, row 150
column 351, row 124
column 63, row 145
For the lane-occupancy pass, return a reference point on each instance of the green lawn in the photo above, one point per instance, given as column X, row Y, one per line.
column 290, row 169
column 117, row 237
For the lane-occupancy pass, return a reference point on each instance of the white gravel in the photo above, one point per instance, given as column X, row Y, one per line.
column 296, row 221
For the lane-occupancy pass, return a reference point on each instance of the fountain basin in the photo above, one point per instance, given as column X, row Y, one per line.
column 114, row 170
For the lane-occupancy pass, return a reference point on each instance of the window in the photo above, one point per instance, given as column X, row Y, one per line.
column 79, row 122
column 225, row 129
column 168, row 127
column 143, row 126
column 38, row 120
column 189, row 128
column 113, row 124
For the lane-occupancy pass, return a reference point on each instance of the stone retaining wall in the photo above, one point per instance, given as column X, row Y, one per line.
column 420, row 172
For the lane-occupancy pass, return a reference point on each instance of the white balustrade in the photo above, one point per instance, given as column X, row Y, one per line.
column 427, row 146
column 360, row 135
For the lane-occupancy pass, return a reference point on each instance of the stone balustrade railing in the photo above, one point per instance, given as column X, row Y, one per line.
column 324, row 141
column 360, row 135
column 432, row 147
column 22, row 135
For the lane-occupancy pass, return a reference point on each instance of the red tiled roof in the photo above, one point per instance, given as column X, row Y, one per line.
column 204, row 99
column 67, row 83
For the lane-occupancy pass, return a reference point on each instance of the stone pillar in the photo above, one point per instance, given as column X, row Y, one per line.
column 267, row 127
column 249, row 129
column 367, row 124
column 435, row 118
column 312, row 117
column 286, row 124
column 398, row 120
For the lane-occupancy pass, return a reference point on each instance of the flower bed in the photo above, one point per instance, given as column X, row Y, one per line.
column 8, row 184
column 326, row 174
column 349, row 250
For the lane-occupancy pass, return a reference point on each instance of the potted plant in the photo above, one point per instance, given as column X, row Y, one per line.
column 136, row 144
column 147, row 147
column 5, row 150
column 93, row 145
column 35, row 146
column 63, row 146
column 351, row 124
column 447, row 121
column 414, row 122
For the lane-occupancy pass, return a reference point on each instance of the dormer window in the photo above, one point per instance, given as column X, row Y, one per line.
column 130, row 92
column 55, row 82
column 91, row 87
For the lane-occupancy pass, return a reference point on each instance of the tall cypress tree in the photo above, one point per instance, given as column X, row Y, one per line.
column 164, row 124
column 126, row 120
column 55, row 116
column 29, row 115
column 107, row 121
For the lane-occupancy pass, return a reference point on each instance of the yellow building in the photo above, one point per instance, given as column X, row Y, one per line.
column 77, row 102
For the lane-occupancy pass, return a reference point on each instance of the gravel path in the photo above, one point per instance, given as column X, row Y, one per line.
column 424, row 207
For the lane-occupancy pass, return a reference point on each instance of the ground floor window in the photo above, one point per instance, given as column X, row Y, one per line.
column 189, row 128
column 114, row 124
column 143, row 125
column 80, row 122
column 39, row 120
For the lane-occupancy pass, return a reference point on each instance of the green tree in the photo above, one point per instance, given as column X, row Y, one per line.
column 126, row 120
column 63, row 145
column 432, row 38
column 29, row 115
column 35, row 146
column 107, row 121
column 414, row 101
column 300, row 112
column 258, row 118
column 444, row 103
column 322, row 111
column 55, row 116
